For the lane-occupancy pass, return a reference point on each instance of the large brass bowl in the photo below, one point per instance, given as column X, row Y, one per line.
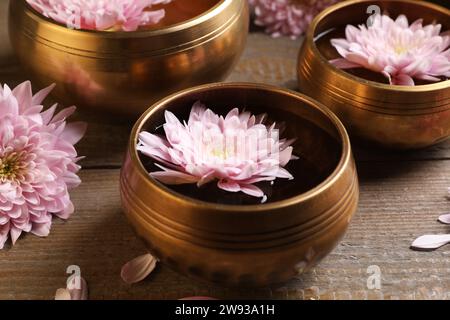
column 403, row 117
column 246, row 245
column 122, row 72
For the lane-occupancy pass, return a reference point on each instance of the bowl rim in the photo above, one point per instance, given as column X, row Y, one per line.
column 310, row 37
column 183, row 25
column 345, row 159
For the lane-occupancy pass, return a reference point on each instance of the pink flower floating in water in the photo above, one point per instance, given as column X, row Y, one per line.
column 398, row 50
column 238, row 150
column 37, row 162
column 287, row 17
column 126, row 15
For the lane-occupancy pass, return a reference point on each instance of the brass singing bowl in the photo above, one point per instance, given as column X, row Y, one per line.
column 122, row 72
column 246, row 245
column 403, row 117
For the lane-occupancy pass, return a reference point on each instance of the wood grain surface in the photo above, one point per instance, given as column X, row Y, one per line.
column 401, row 196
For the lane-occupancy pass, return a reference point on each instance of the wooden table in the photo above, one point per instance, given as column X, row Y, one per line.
column 401, row 196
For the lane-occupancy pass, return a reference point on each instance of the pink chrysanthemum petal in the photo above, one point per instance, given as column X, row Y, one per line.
column 62, row 294
column 78, row 288
column 173, row 177
column 431, row 242
column 403, row 80
column 444, row 218
column 138, row 269
column 343, row 64
column 41, row 229
column 229, row 186
column 252, row 190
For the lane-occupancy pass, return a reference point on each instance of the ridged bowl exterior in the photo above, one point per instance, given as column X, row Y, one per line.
column 253, row 245
column 124, row 72
column 402, row 117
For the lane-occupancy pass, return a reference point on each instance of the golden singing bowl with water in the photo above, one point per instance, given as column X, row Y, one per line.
column 122, row 72
column 403, row 117
column 246, row 244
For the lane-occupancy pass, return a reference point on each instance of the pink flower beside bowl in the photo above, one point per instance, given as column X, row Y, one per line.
column 38, row 162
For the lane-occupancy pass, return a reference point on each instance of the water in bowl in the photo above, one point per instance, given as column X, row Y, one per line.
column 318, row 153
column 306, row 176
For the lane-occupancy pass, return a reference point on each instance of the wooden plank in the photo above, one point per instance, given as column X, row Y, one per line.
column 397, row 204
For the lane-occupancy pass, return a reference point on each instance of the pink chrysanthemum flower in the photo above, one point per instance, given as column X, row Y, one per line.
column 37, row 162
column 396, row 49
column 126, row 15
column 287, row 17
column 238, row 150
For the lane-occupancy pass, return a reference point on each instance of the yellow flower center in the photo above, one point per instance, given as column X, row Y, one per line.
column 400, row 49
column 11, row 167
column 219, row 153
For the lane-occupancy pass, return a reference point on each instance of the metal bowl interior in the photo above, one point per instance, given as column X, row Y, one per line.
column 320, row 138
column 249, row 245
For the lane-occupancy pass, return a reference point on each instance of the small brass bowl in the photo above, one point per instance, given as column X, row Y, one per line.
column 122, row 72
column 246, row 245
column 403, row 117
